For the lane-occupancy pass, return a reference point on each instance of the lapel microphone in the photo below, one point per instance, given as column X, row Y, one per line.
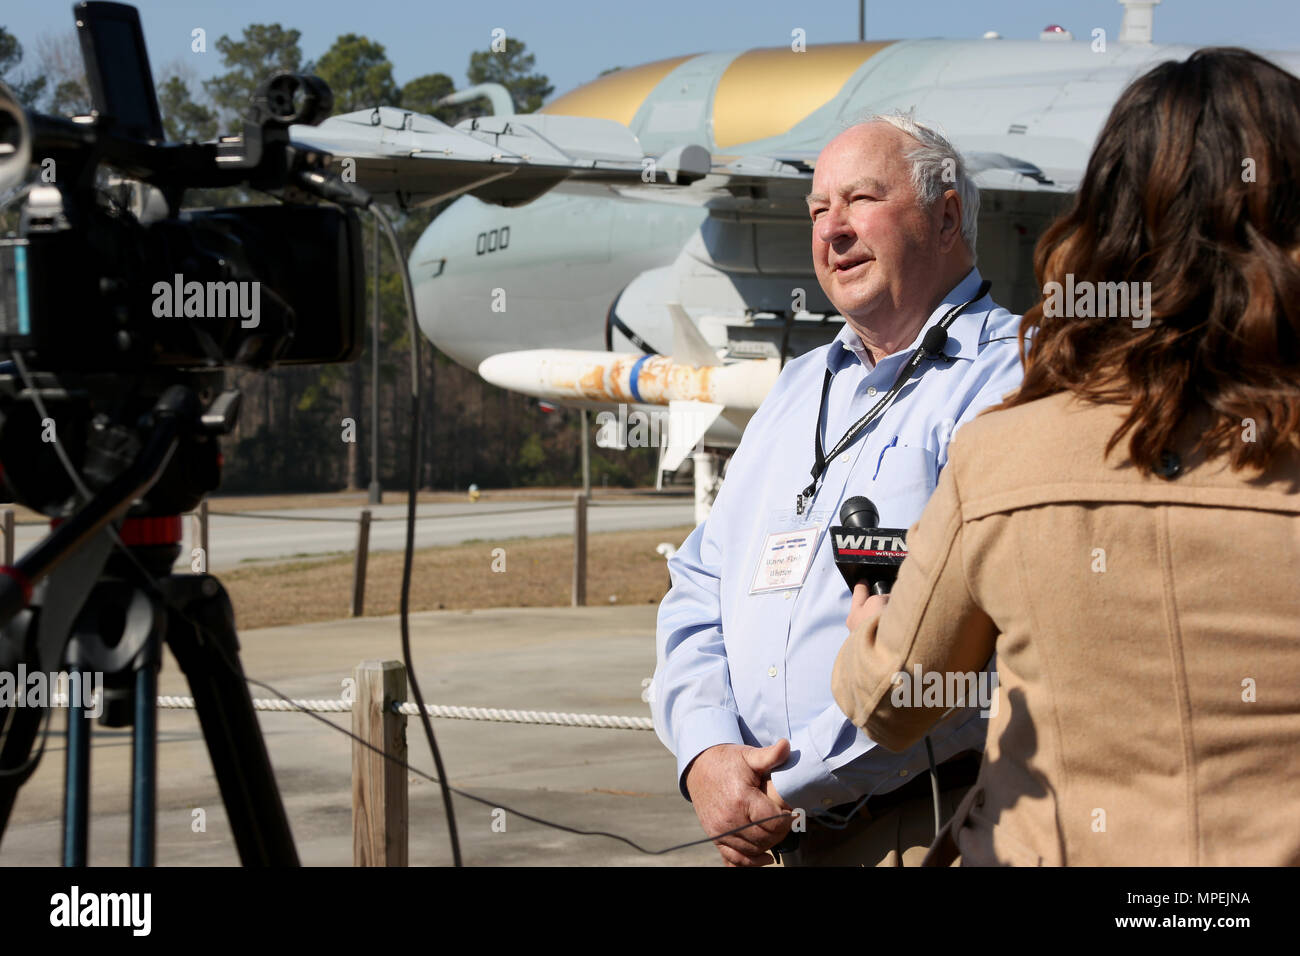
column 934, row 341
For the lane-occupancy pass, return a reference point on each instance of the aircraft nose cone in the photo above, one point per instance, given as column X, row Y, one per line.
column 438, row 265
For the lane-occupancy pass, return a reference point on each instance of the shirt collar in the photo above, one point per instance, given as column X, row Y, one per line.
column 963, row 334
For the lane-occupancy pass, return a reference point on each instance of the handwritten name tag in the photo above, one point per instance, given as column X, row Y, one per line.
column 784, row 560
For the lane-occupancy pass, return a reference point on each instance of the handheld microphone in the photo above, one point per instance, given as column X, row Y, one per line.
column 864, row 552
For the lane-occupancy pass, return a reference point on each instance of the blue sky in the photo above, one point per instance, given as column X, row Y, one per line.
column 576, row 39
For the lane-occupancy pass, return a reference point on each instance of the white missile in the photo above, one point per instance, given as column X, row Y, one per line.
column 569, row 375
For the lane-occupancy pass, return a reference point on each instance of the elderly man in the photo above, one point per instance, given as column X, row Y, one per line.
column 748, row 634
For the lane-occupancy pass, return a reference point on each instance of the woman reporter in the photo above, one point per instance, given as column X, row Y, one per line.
column 1124, row 530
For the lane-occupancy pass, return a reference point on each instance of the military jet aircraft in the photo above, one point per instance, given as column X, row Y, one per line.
column 685, row 289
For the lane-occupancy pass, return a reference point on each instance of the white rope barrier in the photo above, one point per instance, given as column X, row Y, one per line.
column 550, row 718
column 609, row 721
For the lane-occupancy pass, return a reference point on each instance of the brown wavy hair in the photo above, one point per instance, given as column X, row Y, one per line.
column 1193, row 186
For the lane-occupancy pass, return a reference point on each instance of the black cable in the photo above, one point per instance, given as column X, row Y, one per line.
column 441, row 781
column 494, row 803
column 408, row 556
column 934, row 783
column 28, row 767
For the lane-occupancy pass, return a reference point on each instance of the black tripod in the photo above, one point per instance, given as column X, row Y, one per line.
column 78, row 603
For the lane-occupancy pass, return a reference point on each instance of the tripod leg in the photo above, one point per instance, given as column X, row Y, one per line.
column 21, row 730
column 207, row 649
column 18, row 725
column 76, row 788
column 144, row 765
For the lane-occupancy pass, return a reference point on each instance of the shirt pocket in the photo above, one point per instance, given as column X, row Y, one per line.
column 906, row 476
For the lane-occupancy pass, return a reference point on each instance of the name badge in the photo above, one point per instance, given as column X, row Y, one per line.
column 784, row 560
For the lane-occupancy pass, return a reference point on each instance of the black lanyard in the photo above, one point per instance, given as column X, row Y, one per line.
column 931, row 347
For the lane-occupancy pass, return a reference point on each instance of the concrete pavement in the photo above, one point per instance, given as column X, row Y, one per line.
column 589, row 660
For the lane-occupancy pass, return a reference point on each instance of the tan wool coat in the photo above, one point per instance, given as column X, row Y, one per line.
column 1147, row 633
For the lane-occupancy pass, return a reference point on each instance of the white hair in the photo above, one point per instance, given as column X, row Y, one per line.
column 936, row 167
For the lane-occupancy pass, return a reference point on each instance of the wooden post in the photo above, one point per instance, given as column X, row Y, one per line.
column 359, row 569
column 379, row 785
column 586, row 456
column 9, row 535
column 579, row 550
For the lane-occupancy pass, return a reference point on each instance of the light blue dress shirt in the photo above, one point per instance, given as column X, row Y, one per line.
column 743, row 668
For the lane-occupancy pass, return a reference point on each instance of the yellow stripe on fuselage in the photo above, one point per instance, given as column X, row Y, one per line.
column 616, row 96
column 767, row 92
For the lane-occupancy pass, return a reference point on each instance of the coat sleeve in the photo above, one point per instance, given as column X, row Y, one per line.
column 931, row 622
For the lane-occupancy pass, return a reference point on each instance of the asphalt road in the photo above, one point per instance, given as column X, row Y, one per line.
column 237, row 539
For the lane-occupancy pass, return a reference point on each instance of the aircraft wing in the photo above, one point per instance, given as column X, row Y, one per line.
column 754, row 187
column 411, row 159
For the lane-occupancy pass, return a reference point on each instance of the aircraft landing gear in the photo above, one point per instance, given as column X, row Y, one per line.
column 708, row 480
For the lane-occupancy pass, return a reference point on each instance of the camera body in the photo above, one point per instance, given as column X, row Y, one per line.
column 110, row 295
column 96, row 284
column 254, row 286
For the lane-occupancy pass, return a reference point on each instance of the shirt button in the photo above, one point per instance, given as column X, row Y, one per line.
column 844, row 459
column 871, row 390
column 771, row 671
column 826, row 801
column 902, row 773
column 789, row 595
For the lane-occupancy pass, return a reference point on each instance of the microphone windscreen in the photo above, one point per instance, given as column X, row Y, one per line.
column 934, row 340
column 858, row 512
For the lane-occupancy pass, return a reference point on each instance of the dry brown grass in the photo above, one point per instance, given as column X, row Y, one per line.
column 538, row 573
